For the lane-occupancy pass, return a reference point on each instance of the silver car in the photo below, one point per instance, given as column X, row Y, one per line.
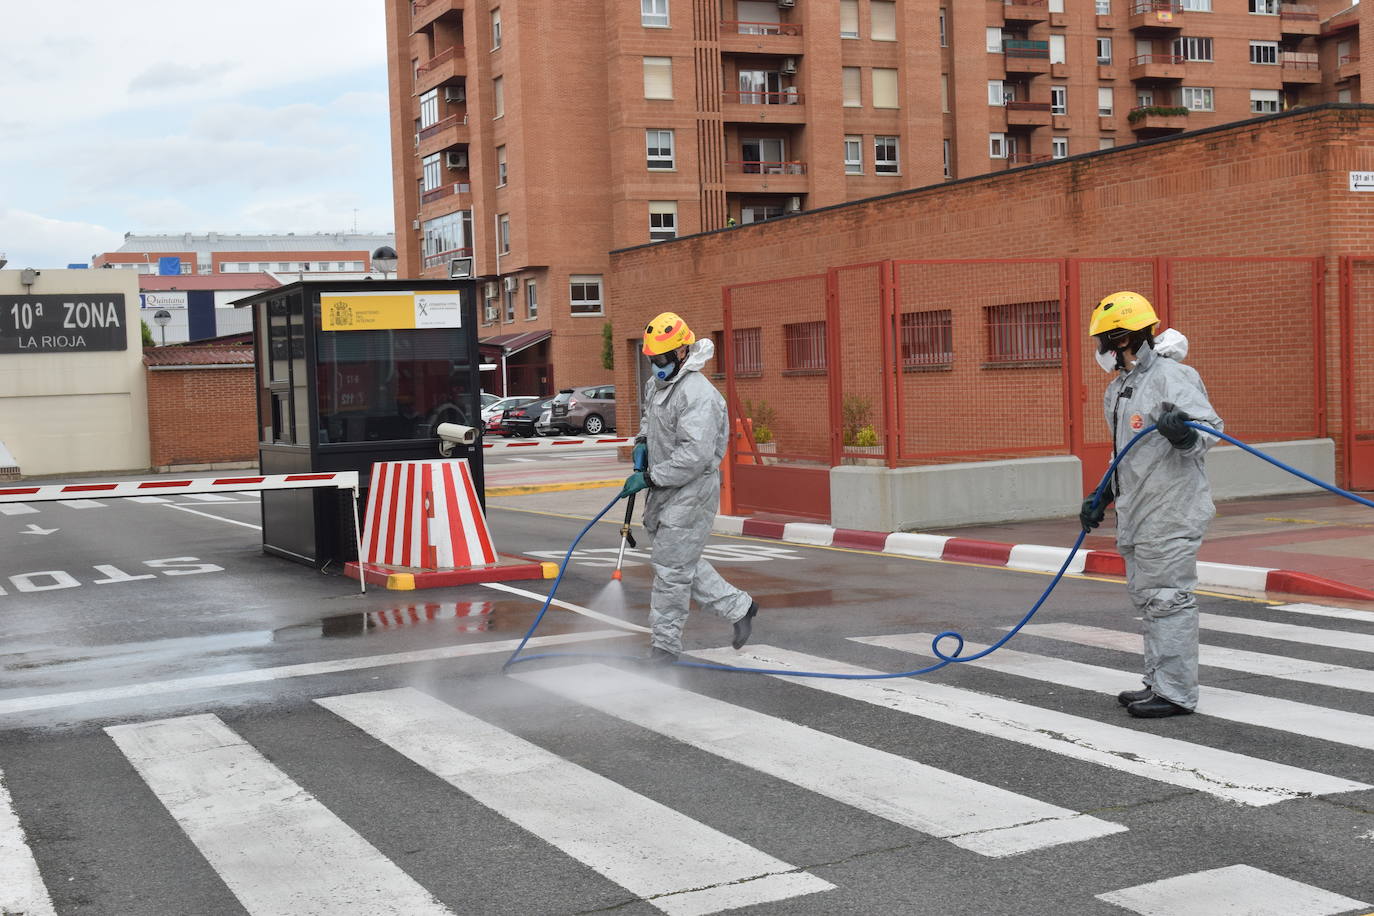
column 589, row 409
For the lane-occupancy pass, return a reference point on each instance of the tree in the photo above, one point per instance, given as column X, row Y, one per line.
column 607, row 347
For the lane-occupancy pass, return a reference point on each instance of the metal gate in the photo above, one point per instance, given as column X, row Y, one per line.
column 1357, row 372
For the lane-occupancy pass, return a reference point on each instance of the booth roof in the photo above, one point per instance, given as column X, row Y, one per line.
column 514, row 343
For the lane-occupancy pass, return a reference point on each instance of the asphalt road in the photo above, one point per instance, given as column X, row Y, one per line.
column 190, row 727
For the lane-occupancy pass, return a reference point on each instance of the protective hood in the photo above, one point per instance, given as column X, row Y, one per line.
column 698, row 355
column 1171, row 344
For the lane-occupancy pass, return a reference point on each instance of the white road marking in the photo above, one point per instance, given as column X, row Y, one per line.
column 215, row 517
column 209, row 497
column 1333, row 725
column 568, row 606
column 16, row 509
column 81, row 503
column 146, row 499
column 21, row 886
column 975, row 816
column 1236, row 890
column 263, row 675
column 276, row 847
column 1318, row 610
column 1289, row 632
column 1279, row 666
column 679, row 865
column 1234, row 777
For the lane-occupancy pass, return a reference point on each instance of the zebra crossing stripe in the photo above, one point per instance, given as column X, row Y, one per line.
column 210, row 497
column 16, row 509
column 147, row 499
column 21, row 886
column 82, row 503
column 1288, row 632
column 1318, row 610
column 1236, row 889
column 1279, row 666
column 277, row 848
column 679, row 865
column 1333, row 725
column 1234, row 777
column 975, row 816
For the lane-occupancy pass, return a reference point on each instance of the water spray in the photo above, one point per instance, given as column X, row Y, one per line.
column 626, row 536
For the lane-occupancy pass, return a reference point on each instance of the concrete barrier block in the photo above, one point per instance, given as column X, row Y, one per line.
column 1235, row 473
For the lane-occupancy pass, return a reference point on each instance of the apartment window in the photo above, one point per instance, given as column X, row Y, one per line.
column 1059, row 100
column 1059, row 147
column 498, row 97
column 1020, row 332
column 995, row 96
column 1104, row 50
column 1057, row 49
column 662, row 220
column 882, row 16
column 849, row 18
column 944, row 92
column 1106, row 142
column 1263, row 101
column 658, row 146
column 510, row 302
column 927, row 338
column 1196, row 98
column 748, row 351
column 853, row 155
column 885, row 155
column 949, row 173
column 432, row 170
column 1265, row 7
column 1104, row 7
column 503, row 231
column 804, row 346
column 997, row 146
column 496, row 28
column 1104, row 102
column 1193, row 48
column 429, row 109
column 1056, row 6
column 944, row 40
column 653, row 14
column 531, row 299
column 853, row 93
column 1264, row 52
column 994, row 40
column 584, row 295
column 500, row 166
column 658, row 77
column 884, row 87
column 1196, row 6
column 1344, row 95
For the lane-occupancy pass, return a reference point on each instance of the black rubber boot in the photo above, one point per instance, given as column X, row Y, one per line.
column 1156, row 707
column 658, row 656
column 744, row 626
column 1127, row 697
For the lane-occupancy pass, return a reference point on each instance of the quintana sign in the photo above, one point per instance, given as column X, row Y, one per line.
column 62, row 323
column 391, row 310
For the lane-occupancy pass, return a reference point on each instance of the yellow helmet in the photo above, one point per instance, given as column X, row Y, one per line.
column 666, row 333
column 1125, row 311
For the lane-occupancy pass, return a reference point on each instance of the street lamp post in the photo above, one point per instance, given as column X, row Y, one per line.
column 384, row 259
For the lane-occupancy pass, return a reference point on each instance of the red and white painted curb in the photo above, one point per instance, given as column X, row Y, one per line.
column 342, row 480
column 563, row 444
column 1031, row 556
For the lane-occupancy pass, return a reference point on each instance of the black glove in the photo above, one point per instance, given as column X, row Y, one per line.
column 1090, row 517
column 1171, row 425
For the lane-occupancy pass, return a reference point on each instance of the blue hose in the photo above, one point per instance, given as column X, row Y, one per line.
column 944, row 659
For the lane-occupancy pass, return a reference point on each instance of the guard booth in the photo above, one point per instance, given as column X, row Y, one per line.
column 353, row 372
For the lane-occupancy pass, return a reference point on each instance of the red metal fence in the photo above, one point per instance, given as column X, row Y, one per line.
column 934, row 361
column 1357, row 371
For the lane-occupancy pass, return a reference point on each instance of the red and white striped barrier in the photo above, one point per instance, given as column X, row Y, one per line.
column 425, row 515
column 563, row 444
column 342, row 480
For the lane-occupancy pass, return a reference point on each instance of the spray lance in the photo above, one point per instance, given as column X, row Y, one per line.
column 640, row 459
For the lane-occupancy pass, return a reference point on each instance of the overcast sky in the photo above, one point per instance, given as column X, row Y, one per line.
column 145, row 117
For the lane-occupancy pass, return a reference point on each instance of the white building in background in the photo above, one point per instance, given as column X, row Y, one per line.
column 336, row 254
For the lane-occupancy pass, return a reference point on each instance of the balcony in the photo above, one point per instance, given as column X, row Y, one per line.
column 739, row 37
column 750, row 177
column 424, row 12
column 440, row 68
column 786, row 107
column 1157, row 67
column 1300, row 67
column 1157, row 121
column 444, row 190
column 441, row 258
column 1156, row 16
column 1028, row 11
column 1347, row 66
column 440, row 135
column 1028, row 114
column 1022, row 56
column 1016, row 160
column 1299, row 19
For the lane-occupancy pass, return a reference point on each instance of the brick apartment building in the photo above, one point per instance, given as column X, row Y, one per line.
column 535, row 136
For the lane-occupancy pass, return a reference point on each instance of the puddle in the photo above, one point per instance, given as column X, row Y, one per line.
column 432, row 616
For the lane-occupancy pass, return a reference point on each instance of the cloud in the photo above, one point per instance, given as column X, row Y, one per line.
column 329, row 211
column 31, row 240
column 176, row 76
column 161, row 215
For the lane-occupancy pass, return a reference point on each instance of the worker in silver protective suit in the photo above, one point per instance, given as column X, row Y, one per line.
column 1163, row 499
column 682, row 439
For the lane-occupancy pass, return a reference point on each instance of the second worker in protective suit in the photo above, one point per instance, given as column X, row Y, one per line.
column 682, row 439
column 1163, row 499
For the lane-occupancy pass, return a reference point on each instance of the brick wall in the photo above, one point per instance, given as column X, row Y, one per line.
column 201, row 416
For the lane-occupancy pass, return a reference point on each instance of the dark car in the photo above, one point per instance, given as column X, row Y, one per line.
column 519, row 421
column 589, row 409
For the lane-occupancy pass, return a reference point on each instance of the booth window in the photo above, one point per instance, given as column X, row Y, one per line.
column 284, row 416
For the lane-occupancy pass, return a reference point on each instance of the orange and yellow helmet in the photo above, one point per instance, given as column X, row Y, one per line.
column 666, row 333
column 1124, row 311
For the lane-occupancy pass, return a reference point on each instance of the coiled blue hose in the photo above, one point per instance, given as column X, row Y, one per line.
column 944, row 659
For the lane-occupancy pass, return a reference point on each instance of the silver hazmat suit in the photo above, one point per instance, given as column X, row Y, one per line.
column 1163, row 506
column 686, row 426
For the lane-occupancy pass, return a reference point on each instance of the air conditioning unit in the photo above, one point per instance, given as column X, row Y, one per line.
column 512, row 284
column 455, row 94
column 459, row 268
column 415, row 224
column 786, row 4
column 794, row 205
column 789, row 65
column 489, row 290
column 458, row 160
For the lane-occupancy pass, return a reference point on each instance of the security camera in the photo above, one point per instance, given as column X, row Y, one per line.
column 451, row 434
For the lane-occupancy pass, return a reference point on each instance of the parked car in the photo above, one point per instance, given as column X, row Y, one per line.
column 495, row 408
column 519, row 421
column 589, row 409
column 488, row 398
column 544, row 425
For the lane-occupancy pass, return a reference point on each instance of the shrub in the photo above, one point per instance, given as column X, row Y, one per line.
column 856, row 412
column 866, row 437
column 764, row 417
column 1161, row 110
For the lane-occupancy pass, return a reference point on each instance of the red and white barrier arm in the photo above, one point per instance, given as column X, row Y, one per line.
column 341, row 480
column 563, row 444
